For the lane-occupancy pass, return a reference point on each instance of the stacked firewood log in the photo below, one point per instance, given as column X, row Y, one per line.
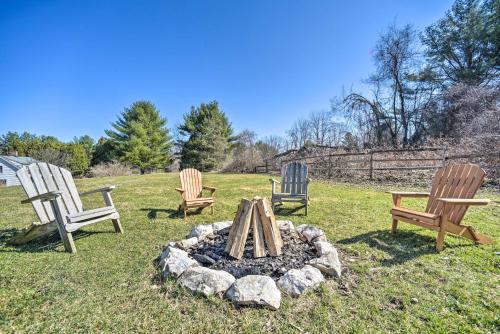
column 257, row 215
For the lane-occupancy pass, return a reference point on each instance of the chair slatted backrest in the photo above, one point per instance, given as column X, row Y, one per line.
column 454, row 181
column 294, row 178
column 41, row 178
column 191, row 183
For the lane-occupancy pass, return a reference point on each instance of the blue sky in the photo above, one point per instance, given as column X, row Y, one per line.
column 68, row 68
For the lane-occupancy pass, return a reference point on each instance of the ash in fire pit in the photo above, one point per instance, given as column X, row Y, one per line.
column 295, row 254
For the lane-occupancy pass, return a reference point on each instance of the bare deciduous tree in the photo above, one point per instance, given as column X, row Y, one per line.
column 319, row 125
column 245, row 155
column 270, row 146
column 401, row 92
column 395, row 57
column 299, row 134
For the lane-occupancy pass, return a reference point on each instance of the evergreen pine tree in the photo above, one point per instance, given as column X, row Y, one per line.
column 207, row 136
column 462, row 45
column 140, row 137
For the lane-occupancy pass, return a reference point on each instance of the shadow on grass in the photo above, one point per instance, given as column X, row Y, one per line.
column 153, row 213
column 171, row 213
column 289, row 211
column 402, row 246
column 43, row 244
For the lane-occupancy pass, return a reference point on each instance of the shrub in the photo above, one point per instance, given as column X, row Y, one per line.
column 78, row 160
column 113, row 168
column 243, row 160
column 51, row 156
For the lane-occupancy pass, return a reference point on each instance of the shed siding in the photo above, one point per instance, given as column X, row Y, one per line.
column 10, row 175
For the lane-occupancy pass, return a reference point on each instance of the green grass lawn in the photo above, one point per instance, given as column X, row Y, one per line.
column 392, row 282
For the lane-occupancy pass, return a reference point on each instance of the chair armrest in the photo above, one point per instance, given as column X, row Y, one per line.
column 51, row 195
column 98, row 190
column 211, row 189
column 274, row 181
column 409, row 193
column 397, row 195
column 181, row 192
column 465, row 201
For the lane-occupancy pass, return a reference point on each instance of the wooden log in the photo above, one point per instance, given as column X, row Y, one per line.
column 34, row 231
column 272, row 233
column 232, row 229
column 275, row 227
column 239, row 230
column 259, row 248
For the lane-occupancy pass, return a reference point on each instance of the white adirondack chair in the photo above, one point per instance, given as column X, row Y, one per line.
column 52, row 192
column 294, row 185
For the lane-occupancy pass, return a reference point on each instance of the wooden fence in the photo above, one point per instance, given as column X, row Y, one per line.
column 383, row 164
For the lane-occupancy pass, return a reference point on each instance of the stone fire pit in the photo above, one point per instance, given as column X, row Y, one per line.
column 201, row 265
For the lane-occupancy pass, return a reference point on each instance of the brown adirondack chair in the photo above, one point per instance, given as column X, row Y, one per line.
column 452, row 192
column 52, row 192
column 192, row 190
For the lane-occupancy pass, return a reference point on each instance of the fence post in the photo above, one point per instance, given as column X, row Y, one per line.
column 443, row 163
column 267, row 168
column 371, row 164
column 329, row 166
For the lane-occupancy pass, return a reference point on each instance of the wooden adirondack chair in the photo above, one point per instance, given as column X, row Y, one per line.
column 294, row 185
column 52, row 192
column 452, row 192
column 192, row 190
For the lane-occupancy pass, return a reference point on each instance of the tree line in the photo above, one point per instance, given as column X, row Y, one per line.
column 139, row 138
column 442, row 82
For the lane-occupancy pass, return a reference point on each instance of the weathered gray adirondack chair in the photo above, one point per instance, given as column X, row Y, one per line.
column 294, row 184
column 52, row 192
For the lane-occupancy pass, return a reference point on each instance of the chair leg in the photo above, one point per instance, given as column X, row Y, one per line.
column 469, row 233
column 443, row 227
column 109, row 202
column 306, row 207
column 212, row 209
column 478, row 237
column 66, row 237
column 183, row 209
column 394, row 225
column 117, row 225
column 440, row 239
column 69, row 244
